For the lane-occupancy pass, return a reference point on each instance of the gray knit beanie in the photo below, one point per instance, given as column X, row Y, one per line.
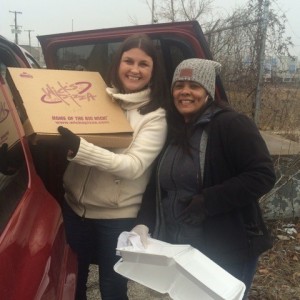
column 202, row 71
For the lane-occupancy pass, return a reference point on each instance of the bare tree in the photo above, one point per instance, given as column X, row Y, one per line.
column 193, row 9
column 236, row 41
column 178, row 10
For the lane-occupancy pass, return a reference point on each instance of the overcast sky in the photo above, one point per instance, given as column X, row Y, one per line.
column 54, row 16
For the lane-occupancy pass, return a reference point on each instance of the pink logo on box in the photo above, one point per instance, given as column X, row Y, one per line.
column 68, row 93
column 26, row 75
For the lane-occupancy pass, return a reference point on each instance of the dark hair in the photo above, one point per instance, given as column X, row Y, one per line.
column 158, row 85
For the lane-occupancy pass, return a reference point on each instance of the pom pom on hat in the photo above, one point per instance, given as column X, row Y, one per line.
column 202, row 71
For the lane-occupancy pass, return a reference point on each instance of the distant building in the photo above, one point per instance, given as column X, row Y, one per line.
column 282, row 69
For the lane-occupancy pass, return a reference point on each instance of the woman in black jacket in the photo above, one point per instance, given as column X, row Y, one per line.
column 209, row 177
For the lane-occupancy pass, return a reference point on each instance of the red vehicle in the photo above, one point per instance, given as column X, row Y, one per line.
column 35, row 261
column 93, row 50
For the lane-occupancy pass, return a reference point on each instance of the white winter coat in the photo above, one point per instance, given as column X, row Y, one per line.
column 108, row 184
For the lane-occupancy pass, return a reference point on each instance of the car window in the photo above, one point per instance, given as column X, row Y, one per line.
column 173, row 52
column 7, row 59
column 98, row 56
column 13, row 187
column 2, row 69
column 33, row 63
column 91, row 57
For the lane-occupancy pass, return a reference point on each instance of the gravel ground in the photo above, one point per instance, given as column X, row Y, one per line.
column 277, row 276
column 135, row 290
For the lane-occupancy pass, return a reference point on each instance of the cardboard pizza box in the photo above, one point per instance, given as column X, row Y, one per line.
column 77, row 100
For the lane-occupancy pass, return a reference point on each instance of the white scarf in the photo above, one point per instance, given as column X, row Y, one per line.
column 129, row 101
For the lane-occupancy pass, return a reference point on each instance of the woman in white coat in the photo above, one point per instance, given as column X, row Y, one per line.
column 103, row 188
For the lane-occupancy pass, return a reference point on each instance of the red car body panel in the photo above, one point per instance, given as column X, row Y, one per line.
column 35, row 260
column 33, row 249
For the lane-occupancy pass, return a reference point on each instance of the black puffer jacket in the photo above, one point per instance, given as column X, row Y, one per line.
column 238, row 170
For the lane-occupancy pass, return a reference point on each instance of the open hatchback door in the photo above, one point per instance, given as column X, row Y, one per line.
column 93, row 50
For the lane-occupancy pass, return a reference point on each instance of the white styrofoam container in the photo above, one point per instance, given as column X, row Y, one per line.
column 179, row 270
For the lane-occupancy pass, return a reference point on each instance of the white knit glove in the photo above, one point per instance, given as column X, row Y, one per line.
column 143, row 232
